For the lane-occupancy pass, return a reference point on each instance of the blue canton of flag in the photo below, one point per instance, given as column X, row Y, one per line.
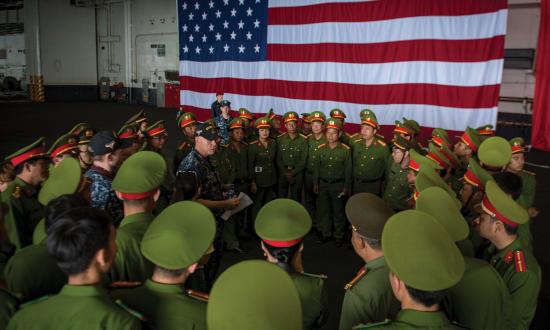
column 223, row 30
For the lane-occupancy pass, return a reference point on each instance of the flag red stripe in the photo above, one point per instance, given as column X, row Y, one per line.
column 385, row 52
column 379, row 10
column 441, row 95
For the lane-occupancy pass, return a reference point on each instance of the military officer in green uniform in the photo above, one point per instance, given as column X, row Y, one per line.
column 397, row 191
column 261, row 166
column 82, row 241
column 64, row 146
column 291, row 159
column 332, row 176
column 276, row 123
column 84, row 154
column 187, row 124
column 250, row 133
column 140, row 119
column 370, row 158
column 480, row 300
column 174, row 243
column 305, row 129
column 31, row 272
column 369, row 297
column 424, row 263
column 314, row 140
column 528, row 188
column 137, row 183
column 282, row 225
column 494, row 154
column 8, row 307
column 499, row 223
column 440, row 137
column 416, row 162
column 128, row 136
column 464, row 149
column 258, row 289
column 409, row 130
column 24, row 211
column 345, row 137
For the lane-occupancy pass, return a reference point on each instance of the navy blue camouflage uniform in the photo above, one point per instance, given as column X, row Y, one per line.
column 102, row 195
column 223, row 128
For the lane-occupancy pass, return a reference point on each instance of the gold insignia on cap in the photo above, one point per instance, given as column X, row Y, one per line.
column 17, row 192
column 89, row 133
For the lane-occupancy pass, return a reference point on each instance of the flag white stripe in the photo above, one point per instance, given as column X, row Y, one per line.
column 298, row 3
column 429, row 72
column 464, row 27
column 427, row 115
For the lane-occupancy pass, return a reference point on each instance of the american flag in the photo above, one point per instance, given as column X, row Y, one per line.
column 438, row 62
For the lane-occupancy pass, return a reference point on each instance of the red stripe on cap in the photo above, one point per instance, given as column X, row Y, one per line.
column 370, row 123
column 38, row 151
column 156, row 131
column 472, row 179
column 401, row 130
column 489, row 208
column 436, row 159
column 127, row 135
column 136, row 196
column 189, row 121
column 438, row 141
column 283, row 243
column 62, row 149
column 517, row 149
column 414, row 165
column 466, row 139
column 486, row 132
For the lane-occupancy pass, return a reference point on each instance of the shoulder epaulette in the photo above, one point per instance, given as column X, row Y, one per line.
column 528, row 172
column 282, row 134
column 382, row 143
column 321, row 146
column 124, row 284
column 352, row 135
column 519, row 261
column 37, row 300
column 304, row 136
column 310, row 134
column 370, row 325
column 355, row 141
column 243, row 142
column 345, row 145
column 198, row 295
column 254, row 142
column 135, row 313
column 323, row 276
column 17, row 191
column 356, row 279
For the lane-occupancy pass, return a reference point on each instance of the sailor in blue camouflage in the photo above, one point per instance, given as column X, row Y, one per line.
column 102, row 195
column 222, row 122
column 211, row 187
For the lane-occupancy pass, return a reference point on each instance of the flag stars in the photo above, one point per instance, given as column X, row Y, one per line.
column 256, row 23
column 233, row 12
column 191, row 38
column 249, row 12
column 197, row 6
column 218, row 36
column 204, row 16
column 185, row 49
column 226, row 2
column 191, row 16
column 211, row 4
column 198, row 50
column 218, row 13
column 256, row 48
column 204, row 38
column 197, row 28
column 233, row 35
column 249, row 35
column 226, row 25
column 184, row 28
column 241, row 49
column 184, row 6
column 211, row 50
column 225, row 48
column 241, row 24
column 211, row 27
column 241, row 2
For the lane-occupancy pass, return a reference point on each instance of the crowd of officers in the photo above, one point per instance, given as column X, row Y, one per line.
column 103, row 231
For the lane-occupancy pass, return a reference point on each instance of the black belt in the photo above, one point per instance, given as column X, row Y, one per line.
column 332, row 181
column 368, row 181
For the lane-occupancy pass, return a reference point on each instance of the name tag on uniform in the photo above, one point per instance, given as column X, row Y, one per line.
column 258, row 169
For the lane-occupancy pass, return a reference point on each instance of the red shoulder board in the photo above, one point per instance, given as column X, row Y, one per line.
column 124, row 284
column 508, row 257
column 198, row 295
column 519, row 260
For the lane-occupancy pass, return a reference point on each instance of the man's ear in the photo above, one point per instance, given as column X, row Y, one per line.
column 156, row 195
column 118, row 195
column 101, row 258
column 191, row 269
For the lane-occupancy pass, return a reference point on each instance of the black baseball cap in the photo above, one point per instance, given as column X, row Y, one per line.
column 207, row 131
column 104, row 142
column 225, row 103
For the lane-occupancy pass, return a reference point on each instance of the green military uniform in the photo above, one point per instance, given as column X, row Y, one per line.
column 417, row 162
column 369, row 297
column 332, row 174
column 176, row 240
column 305, row 121
column 284, row 223
column 261, row 168
column 518, row 267
column 420, row 253
column 494, row 153
column 75, row 307
column 8, row 307
column 369, row 161
column 66, row 144
column 440, row 137
column 411, row 129
column 258, row 289
column 291, row 161
column 485, row 131
column 480, row 300
column 471, row 139
column 397, row 192
column 138, row 178
column 313, row 144
column 24, row 210
column 250, row 133
column 188, row 143
column 346, row 138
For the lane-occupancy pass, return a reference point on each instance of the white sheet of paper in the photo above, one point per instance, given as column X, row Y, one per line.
column 246, row 201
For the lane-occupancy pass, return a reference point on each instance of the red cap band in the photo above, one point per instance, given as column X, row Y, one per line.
column 136, row 196
column 370, row 123
column 127, row 135
column 518, row 149
column 486, row 132
column 189, row 121
column 156, row 131
column 466, row 139
column 492, row 211
column 283, row 243
column 38, row 151
column 62, row 149
column 472, row 179
column 401, row 130
column 436, row 159
column 414, row 165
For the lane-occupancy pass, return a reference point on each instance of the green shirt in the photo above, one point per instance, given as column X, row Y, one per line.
column 528, row 189
column 130, row 264
column 165, row 306
column 312, row 146
column 313, row 298
column 291, row 153
column 39, row 233
column 369, row 162
column 261, row 163
column 8, row 307
column 397, row 190
column 480, row 300
column 239, row 160
column 32, row 273
column 521, row 273
column 333, row 164
column 370, row 299
column 24, row 212
column 75, row 307
column 413, row 319
column 222, row 163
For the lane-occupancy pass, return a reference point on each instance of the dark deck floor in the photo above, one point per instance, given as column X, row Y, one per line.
column 22, row 123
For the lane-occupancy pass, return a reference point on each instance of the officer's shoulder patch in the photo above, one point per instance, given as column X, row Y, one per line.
column 243, row 142
column 519, row 261
column 528, row 172
column 282, row 134
column 17, row 191
column 356, row 279
column 198, row 295
column 135, row 313
column 322, row 276
column 32, row 302
column 254, row 142
column 345, row 146
column 358, row 140
column 353, row 135
column 382, row 143
column 124, row 284
column 304, row 136
column 310, row 134
column 372, row 325
column 322, row 146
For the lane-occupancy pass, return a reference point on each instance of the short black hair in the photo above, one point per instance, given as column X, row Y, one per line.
column 510, row 183
column 76, row 236
column 427, row 298
column 185, row 186
column 284, row 255
column 57, row 206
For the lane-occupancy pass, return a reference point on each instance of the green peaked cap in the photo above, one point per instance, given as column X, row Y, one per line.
column 137, row 118
column 40, row 147
column 282, row 220
column 64, row 179
column 317, row 116
column 142, row 172
column 476, row 173
column 495, row 152
column 440, row 205
column 418, row 161
column 66, row 139
column 251, row 295
column 367, row 112
column 420, row 252
column 179, row 236
column 507, row 210
column 367, row 214
column 78, row 128
column 427, row 178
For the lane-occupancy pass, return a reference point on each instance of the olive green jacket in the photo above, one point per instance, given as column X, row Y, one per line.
column 312, row 147
column 261, row 163
column 313, row 298
column 369, row 163
column 397, row 190
column 8, row 307
column 412, row 319
column 291, row 153
column 333, row 164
